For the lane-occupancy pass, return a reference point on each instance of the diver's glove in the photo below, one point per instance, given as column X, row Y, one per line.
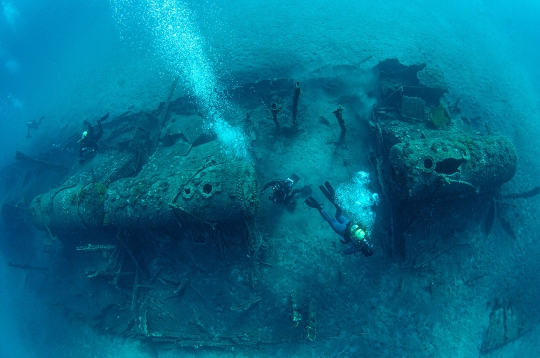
column 352, row 249
column 365, row 247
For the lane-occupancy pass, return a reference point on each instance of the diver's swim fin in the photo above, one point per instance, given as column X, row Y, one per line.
column 295, row 178
column 312, row 203
column 330, row 193
column 330, row 188
column 326, row 193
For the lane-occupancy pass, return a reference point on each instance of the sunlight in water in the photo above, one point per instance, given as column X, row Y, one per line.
column 11, row 14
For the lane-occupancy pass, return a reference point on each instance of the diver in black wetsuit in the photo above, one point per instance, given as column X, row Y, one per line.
column 282, row 192
column 33, row 124
column 90, row 137
column 352, row 234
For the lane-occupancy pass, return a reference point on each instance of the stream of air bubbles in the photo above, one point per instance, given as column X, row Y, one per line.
column 179, row 44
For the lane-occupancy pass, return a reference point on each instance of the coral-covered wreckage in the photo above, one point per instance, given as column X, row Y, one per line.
column 159, row 186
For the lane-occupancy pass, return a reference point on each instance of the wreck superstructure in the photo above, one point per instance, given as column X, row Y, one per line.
column 160, row 191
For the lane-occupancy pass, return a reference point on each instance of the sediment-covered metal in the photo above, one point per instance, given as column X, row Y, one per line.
column 171, row 190
column 439, row 167
column 78, row 207
column 213, row 193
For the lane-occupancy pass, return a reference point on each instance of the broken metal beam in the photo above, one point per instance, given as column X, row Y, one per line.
column 28, row 267
column 244, row 306
column 26, row 158
column 108, row 274
column 91, row 247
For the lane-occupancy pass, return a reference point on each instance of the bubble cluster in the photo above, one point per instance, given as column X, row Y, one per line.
column 357, row 200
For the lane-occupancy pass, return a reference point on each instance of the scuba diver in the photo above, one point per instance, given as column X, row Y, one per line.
column 282, row 192
column 33, row 124
column 355, row 235
column 90, row 137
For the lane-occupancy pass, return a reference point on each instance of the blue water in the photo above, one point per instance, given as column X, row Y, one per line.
column 71, row 60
